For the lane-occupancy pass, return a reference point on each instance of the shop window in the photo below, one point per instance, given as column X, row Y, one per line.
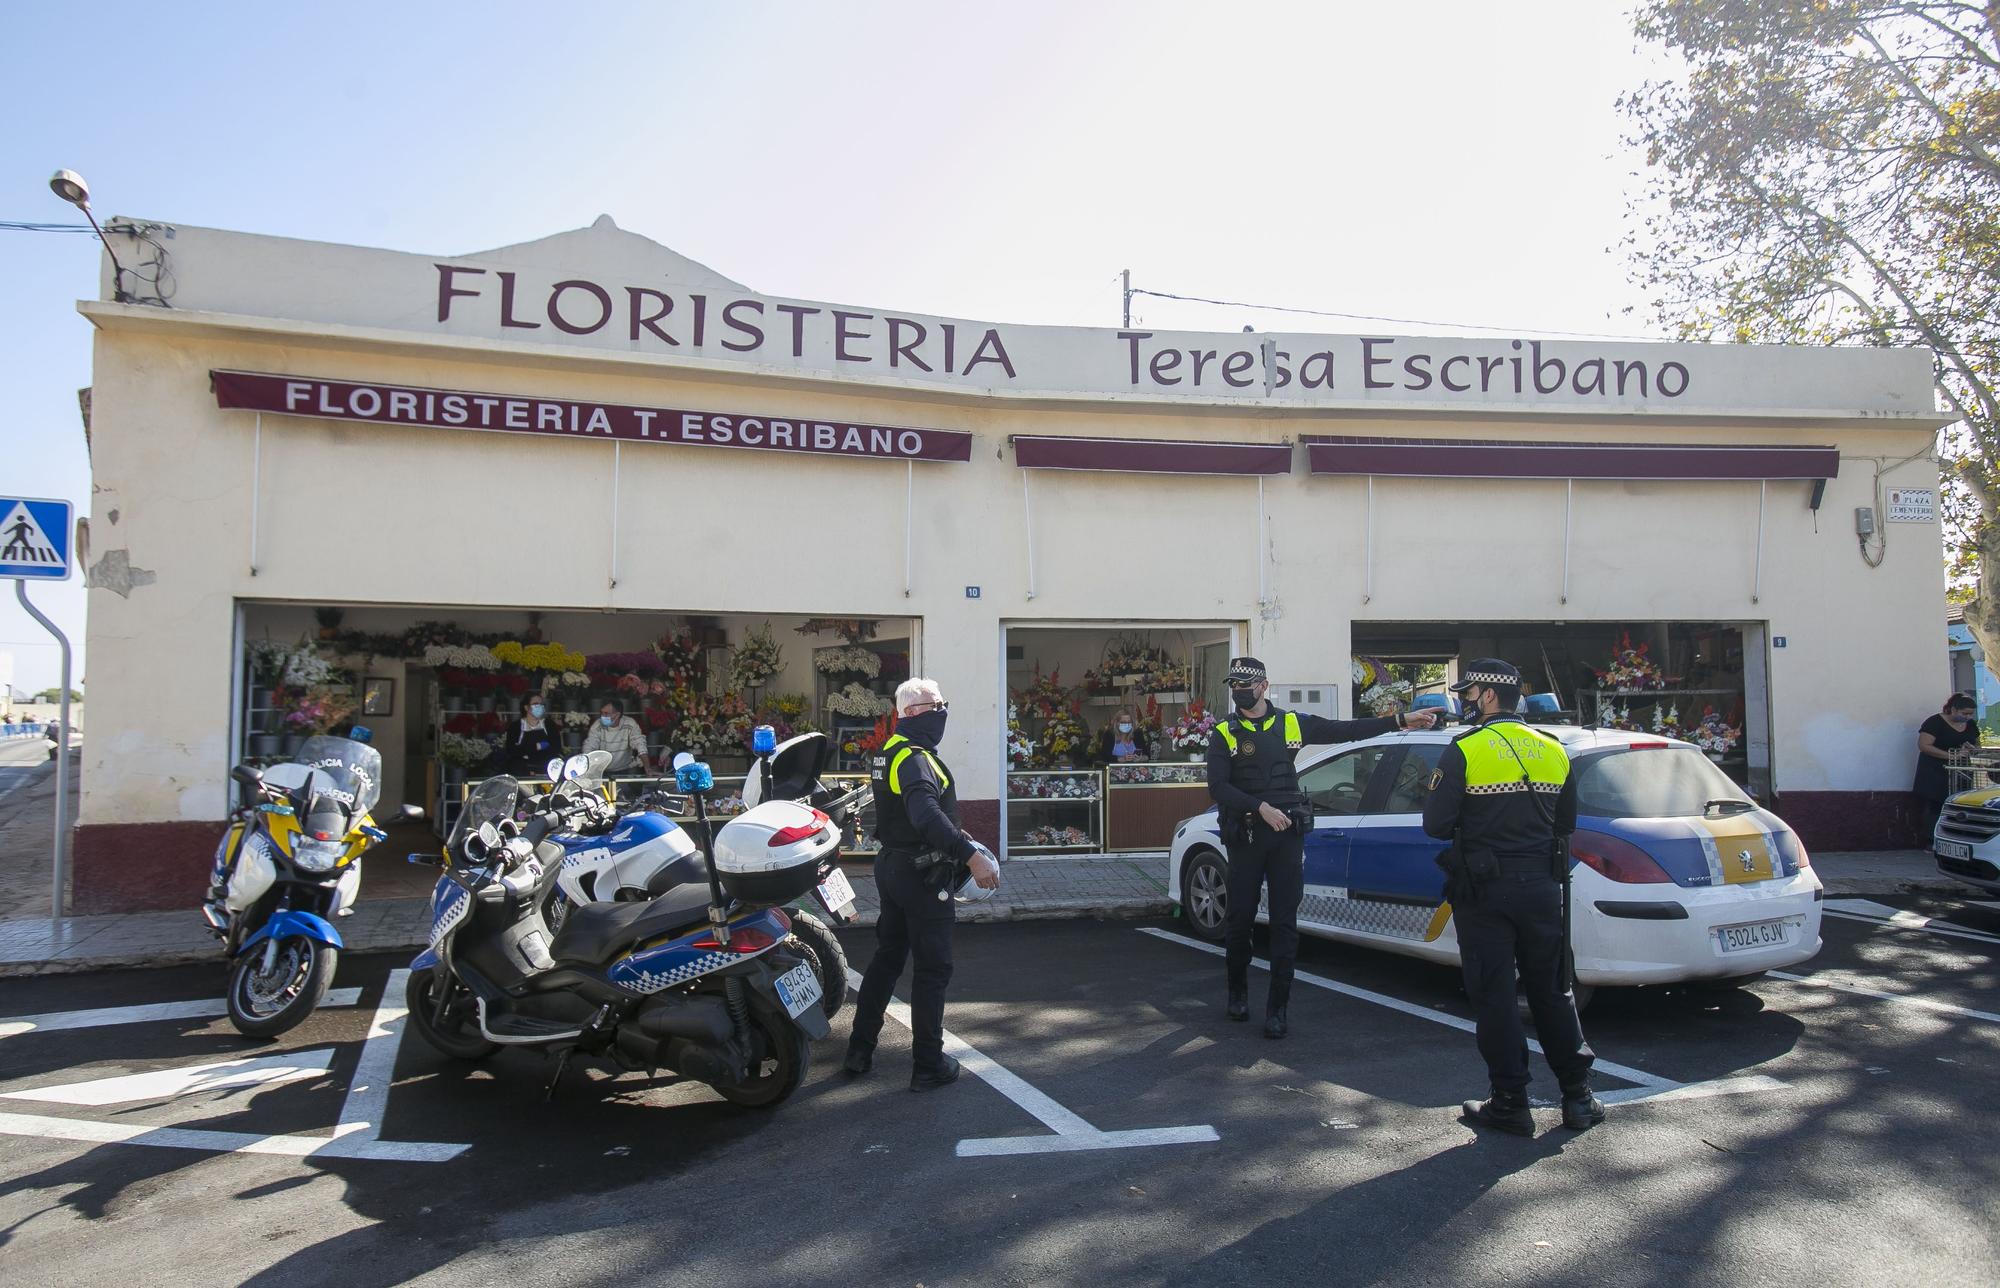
column 1340, row 785
column 1413, row 779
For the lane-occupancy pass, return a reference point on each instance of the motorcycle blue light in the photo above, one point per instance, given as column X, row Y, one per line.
column 693, row 777
column 763, row 740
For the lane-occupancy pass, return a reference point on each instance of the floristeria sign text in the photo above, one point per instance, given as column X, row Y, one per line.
column 513, row 413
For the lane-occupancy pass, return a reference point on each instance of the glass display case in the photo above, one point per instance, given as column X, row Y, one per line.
column 1055, row 811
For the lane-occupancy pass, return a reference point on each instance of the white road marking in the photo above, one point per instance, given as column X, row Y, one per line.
column 1072, row 1132
column 1925, row 1003
column 188, row 1080
column 357, row 1135
column 1650, row 1086
column 102, row 1016
column 1882, row 914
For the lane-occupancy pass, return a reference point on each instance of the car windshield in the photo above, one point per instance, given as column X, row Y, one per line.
column 490, row 802
column 343, row 767
column 1647, row 782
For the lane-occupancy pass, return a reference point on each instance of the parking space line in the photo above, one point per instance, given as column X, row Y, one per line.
column 183, row 1080
column 1072, row 1132
column 1650, row 1086
column 367, row 1101
column 1881, row 914
column 98, row 1017
column 1925, row 1003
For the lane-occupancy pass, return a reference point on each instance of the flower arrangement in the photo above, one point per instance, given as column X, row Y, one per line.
column 682, row 658
column 1387, row 697
column 854, row 700
column 1190, row 732
column 1158, row 774
column 461, row 752
column 866, row 745
column 1132, row 655
column 1370, row 671
column 1020, row 748
column 848, row 661
column 1631, row 668
column 577, row 719
column 1052, row 787
column 1046, row 696
column 1165, row 677
column 698, row 731
column 461, row 657
column 615, row 664
column 1099, row 685
column 313, row 710
column 1064, row 739
column 1667, row 723
column 852, row 629
column 1614, row 716
column 537, row 657
column 756, row 660
column 465, row 724
column 1057, row 837
column 558, row 680
column 1714, row 734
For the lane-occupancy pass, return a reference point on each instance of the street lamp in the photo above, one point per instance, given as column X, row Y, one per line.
column 69, row 185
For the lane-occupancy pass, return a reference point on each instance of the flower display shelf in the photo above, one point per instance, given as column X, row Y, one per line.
column 1048, row 811
column 1177, row 698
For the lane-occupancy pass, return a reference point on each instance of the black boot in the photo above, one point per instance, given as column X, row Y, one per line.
column 1275, row 1024
column 943, row 1075
column 860, row 1059
column 1507, row 1111
column 1239, row 1003
column 1581, row 1110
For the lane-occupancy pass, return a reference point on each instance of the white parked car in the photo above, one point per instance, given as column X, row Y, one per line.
column 1677, row 874
column 1966, row 844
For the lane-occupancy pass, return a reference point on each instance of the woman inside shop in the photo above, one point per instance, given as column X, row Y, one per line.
column 1123, row 741
column 1942, row 740
column 534, row 741
column 620, row 735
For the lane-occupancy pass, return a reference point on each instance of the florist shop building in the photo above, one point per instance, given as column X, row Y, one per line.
column 338, row 484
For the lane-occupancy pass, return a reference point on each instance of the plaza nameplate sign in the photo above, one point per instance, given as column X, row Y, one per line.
column 417, row 407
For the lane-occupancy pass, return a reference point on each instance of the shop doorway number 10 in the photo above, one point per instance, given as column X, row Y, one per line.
column 972, row 592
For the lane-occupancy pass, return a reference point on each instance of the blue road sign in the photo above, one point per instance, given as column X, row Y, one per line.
column 34, row 538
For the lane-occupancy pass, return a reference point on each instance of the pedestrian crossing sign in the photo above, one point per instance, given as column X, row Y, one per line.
column 34, row 538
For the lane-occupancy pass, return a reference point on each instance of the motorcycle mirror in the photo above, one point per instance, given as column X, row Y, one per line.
column 554, row 769
column 249, row 775
column 414, row 813
column 489, row 835
column 577, row 767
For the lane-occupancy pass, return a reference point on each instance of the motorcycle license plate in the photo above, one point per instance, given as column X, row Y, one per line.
column 1758, row 934
column 798, row 988
column 836, row 892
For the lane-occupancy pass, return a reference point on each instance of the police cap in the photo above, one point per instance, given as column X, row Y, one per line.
column 1488, row 670
column 1246, row 670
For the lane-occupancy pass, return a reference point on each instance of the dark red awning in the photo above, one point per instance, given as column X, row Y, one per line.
column 1150, row 455
column 1471, row 459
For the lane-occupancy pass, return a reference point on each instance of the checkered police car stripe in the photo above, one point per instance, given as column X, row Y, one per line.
column 1330, row 906
column 627, row 975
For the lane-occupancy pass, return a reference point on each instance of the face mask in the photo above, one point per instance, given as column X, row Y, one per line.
column 607, row 721
column 925, row 729
column 1124, row 726
column 536, row 711
column 1468, row 708
column 1243, row 698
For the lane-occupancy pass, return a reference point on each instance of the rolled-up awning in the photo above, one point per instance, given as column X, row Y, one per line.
column 1482, row 459
column 1150, row 455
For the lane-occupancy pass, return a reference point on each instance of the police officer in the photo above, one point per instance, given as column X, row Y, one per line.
column 924, row 857
column 1502, row 793
column 1254, row 782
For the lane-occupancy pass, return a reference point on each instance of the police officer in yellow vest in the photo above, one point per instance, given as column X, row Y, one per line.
column 924, row 858
column 1502, row 793
column 1264, row 817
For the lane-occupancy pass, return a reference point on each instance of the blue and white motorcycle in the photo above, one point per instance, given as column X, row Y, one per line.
column 697, row 981
column 641, row 854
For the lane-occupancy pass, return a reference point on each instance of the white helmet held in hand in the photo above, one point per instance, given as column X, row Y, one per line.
column 970, row 891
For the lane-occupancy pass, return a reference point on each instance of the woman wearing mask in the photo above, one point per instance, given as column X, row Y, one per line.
column 534, row 741
column 1122, row 741
column 620, row 735
column 1943, row 739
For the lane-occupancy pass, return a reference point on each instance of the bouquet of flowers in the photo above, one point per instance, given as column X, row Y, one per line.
column 1046, row 696
column 857, row 701
column 867, row 744
column 698, row 731
column 1714, row 734
column 1614, row 716
column 1387, row 698
column 564, row 680
column 683, row 658
column 1157, row 774
column 314, row 710
column 1631, row 668
column 1370, row 671
column 461, row 752
column 1053, row 787
column 1020, row 748
column 848, row 661
column 537, row 657
column 1064, row 738
column 577, row 719
column 1165, row 677
column 756, row 660
column 1190, row 732
column 1098, row 685
column 1132, row 654
column 1667, row 723
column 461, row 657
column 1058, row 837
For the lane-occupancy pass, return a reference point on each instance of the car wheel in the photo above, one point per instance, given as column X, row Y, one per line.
column 1205, row 895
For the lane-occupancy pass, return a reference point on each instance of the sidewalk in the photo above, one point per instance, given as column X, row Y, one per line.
column 1041, row 889
column 1033, row 890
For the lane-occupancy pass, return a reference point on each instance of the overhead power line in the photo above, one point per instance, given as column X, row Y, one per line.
column 1375, row 317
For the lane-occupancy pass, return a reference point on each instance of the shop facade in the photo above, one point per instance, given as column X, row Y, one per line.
column 590, row 448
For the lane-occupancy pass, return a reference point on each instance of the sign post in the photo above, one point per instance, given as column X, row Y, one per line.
column 34, row 546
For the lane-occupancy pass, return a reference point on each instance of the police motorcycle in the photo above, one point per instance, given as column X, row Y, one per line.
column 288, row 864
column 642, row 854
column 697, row 981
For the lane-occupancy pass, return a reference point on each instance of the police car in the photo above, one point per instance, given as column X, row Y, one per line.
column 1677, row 875
column 1966, row 844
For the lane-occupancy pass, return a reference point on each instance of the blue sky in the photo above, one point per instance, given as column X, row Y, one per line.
column 1457, row 162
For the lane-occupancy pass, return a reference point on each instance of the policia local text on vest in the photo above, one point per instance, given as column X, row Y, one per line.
column 1254, row 781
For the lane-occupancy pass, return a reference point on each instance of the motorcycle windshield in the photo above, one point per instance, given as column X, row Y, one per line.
column 351, row 767
column 490, row 802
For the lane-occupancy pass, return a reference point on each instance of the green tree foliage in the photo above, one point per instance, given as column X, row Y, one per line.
column 1824, row 172
column 53, row 694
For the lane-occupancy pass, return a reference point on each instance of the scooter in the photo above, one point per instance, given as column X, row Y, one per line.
column 289, row 863
column 697, row 980
column 642, row 854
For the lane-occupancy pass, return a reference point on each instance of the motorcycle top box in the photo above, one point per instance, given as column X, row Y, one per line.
column 771, row 854
column 794, row 768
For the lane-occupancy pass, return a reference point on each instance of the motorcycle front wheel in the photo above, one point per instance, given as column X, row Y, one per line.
column 458, row 1035
column 829, row 960
column 264, row 1003
column 787, row 1056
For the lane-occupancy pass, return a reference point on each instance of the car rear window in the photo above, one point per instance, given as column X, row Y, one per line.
column 1665, row 782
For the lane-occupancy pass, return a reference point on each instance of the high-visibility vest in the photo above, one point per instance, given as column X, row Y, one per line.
column 1506, row 756
column 888, row 768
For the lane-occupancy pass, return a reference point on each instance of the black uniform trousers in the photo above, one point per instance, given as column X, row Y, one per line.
column 1515, row 922
column 1276, row 858
column 913, row 920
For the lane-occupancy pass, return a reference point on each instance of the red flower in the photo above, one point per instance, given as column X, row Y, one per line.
column 462, row 724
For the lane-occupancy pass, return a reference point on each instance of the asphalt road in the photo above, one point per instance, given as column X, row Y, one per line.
column 1784, row 1132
